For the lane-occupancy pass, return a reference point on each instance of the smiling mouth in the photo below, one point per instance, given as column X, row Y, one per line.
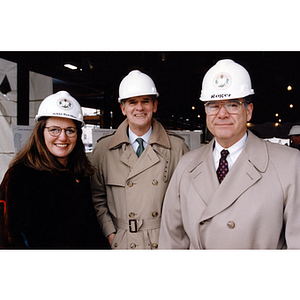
column 140, row 115
column 221, row 124
column 61, row 145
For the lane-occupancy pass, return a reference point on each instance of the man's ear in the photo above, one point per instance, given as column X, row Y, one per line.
column 155, row 106
column 249, row 111
column 122, row 109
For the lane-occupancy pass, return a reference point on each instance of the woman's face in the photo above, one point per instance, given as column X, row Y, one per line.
column 60, row 137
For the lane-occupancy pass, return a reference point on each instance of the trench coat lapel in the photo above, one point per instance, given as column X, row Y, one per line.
column 243, row 174
column 149, row 158
column 203, row 177
column 128, row 157
column 136, row 165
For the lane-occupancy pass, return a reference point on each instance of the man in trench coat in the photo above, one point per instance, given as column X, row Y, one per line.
column 128, row 190
column 294, row 136
column 257, row 204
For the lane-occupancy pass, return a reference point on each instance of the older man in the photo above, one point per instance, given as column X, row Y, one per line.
column 133, row 168
column 237, row 192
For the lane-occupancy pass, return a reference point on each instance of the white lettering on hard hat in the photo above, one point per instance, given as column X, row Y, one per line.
column 220, row 96
column 64, row 104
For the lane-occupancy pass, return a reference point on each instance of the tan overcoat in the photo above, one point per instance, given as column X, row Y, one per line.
column 128, row 191
column 257, row 206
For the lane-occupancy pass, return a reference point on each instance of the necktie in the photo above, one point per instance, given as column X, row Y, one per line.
column 140, row 148
column 223, row 165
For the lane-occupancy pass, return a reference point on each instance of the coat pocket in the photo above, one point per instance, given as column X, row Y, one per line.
column 119, row 241
column 115, row 179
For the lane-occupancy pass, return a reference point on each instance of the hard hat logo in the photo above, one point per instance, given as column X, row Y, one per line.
column 65, row 104
column 222, row 81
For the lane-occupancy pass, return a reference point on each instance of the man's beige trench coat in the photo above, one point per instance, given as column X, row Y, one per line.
column 128, row 191
column 257, row 206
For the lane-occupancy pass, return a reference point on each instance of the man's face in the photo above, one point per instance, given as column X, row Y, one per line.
column 295, row 140
column 229, row 128
column 139, row 112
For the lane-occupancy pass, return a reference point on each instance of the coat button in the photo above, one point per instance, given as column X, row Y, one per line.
column 154, row 182
column 132, row 246
column 155, row 214
column 230, row 224
column 116, row 245
column 130, row 183
column 131, row 215
column 154, row 246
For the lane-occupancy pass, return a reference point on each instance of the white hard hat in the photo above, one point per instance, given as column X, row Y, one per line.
column 226, row 80
column 135, row 84
column 295, row 130
column 60, row 104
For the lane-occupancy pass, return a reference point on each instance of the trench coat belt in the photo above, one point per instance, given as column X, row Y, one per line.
column 138, row 224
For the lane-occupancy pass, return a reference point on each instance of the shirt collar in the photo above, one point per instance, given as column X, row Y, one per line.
column 234, row 148
column 234, row 151
column 132, row 136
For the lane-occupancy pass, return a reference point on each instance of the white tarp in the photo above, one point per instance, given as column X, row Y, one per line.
column 40, row 86
column 8, row 114
column 279, row 141
column 21, row 134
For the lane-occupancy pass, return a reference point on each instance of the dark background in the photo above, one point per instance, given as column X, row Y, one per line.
column 178, row 77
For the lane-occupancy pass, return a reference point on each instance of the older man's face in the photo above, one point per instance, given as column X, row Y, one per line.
column 229, row 128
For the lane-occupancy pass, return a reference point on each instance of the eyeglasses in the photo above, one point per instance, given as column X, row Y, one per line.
column 232, row 106
column 56, row 131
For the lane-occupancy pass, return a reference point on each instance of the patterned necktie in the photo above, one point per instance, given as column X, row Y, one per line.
column 140, row 148
column 223, row 165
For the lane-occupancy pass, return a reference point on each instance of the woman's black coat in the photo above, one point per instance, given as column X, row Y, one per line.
column 46, row 210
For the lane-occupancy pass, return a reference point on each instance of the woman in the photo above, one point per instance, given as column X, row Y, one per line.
column 46, row 191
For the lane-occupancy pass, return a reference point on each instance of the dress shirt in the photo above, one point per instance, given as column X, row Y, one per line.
column 234, row 152
column 132, row 138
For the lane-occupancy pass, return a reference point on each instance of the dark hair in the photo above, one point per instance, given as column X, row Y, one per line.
column 153, row 97
column 249, row 99
column 36, row 155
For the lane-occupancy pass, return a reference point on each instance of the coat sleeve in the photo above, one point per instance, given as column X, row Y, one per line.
column 98, row 190
column 172, row 233
column 291, row 188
